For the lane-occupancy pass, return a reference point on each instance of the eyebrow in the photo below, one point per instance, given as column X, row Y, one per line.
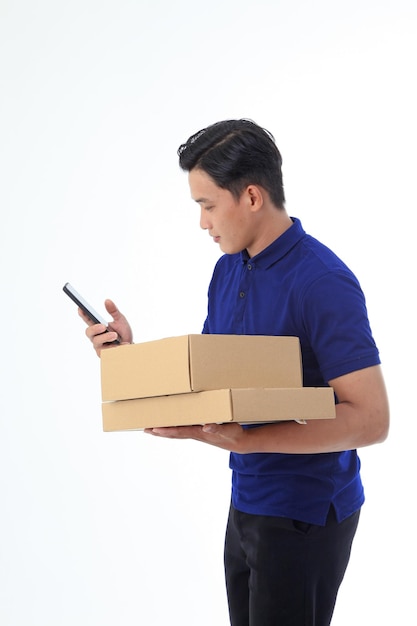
column 199, row 200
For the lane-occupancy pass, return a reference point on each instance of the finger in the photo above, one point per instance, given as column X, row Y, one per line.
column 112, row 309
column 104, row 340
column 94, row 330
column 176, row 432
column 224, row 431
column 213, row 429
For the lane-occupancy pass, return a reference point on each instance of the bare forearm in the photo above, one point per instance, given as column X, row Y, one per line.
column 362, row 419
column 347, row 431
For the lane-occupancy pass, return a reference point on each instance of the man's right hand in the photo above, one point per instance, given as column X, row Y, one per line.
column 119, row 328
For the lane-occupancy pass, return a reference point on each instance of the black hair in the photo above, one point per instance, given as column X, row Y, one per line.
column 235, row 154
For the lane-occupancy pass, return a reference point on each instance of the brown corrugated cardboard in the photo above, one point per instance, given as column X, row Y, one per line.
column 191, row 363
column 222, row 405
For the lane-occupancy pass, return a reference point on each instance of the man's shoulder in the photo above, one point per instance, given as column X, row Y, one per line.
column 321, row 256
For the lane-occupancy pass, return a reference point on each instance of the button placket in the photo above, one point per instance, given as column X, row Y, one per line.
column 242, row 292
column 246, row 278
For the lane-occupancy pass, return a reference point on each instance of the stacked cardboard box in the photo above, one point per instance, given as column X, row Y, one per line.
column 198, row 379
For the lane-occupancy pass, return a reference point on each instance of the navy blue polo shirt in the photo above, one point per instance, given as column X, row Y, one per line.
column 296, row 287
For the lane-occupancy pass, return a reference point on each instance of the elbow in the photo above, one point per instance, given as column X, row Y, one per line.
column 381, row 435
column 383, row 431
column 379, row 431
column 383, row 422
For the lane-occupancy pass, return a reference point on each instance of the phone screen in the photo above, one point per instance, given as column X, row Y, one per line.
column 85, row 306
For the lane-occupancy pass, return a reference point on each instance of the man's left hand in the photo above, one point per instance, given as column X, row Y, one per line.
column 230, row 437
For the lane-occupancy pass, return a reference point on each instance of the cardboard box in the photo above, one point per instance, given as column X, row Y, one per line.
column 192, row 363
column 222, row 405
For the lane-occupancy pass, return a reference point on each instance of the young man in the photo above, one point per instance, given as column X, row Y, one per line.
column 296, row 489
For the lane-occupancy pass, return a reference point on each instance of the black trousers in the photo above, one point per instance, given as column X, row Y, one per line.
column 281, row 572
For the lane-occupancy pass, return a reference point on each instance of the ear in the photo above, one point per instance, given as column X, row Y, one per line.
column 255, row 197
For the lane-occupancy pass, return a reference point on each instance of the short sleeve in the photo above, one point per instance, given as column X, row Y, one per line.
column 336, row 323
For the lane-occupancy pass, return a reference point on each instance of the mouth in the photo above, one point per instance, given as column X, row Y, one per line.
column 215, row 238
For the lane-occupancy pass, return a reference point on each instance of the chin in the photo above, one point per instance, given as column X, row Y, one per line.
column 229, row 249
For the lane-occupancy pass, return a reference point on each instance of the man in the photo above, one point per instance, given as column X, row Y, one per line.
column 296, row 489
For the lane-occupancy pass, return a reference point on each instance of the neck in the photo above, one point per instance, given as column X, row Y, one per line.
column 272, row 224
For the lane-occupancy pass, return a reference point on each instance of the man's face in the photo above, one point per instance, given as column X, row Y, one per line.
column 228, row 221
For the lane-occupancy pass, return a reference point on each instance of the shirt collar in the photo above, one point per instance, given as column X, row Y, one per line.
column 278, row 248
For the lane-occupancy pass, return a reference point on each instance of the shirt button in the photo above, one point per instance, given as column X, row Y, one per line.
column 249, row 266
column 242, row 294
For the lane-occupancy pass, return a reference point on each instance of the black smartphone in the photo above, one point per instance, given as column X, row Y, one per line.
column 85, row 306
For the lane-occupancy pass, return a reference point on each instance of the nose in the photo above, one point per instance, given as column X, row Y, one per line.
column 204, row 221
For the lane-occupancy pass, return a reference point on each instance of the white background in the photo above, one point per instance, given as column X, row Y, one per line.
column 121, row 528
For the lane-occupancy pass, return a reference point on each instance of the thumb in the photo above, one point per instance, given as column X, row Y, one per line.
column 112, row 309
column 228, row 432
column 213, row 429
